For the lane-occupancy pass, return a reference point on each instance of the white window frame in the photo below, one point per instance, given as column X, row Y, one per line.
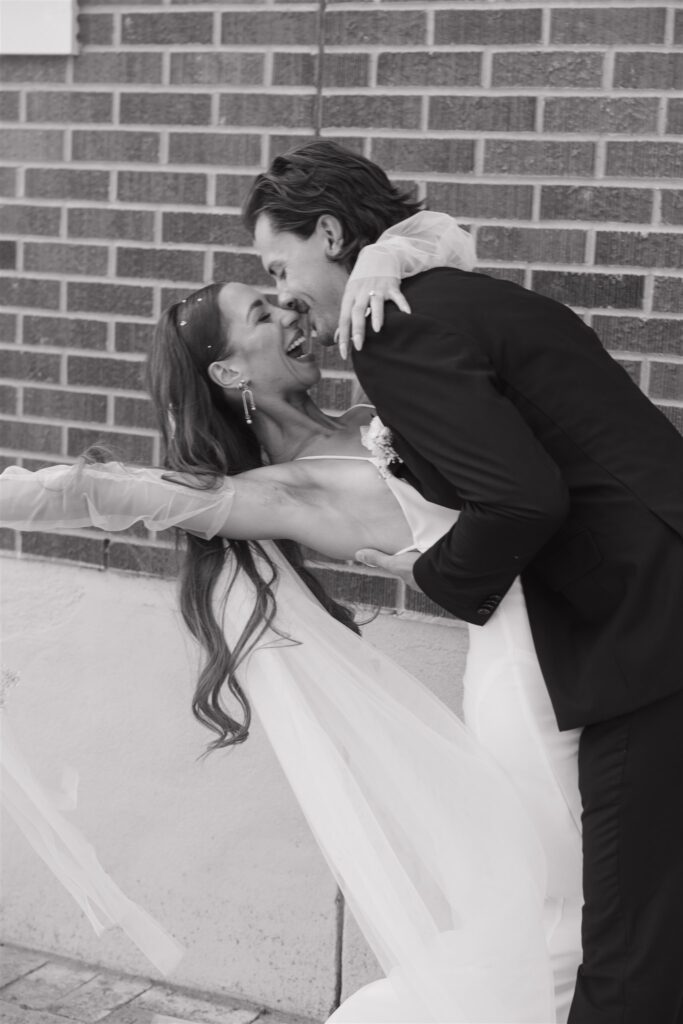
column 37, row 27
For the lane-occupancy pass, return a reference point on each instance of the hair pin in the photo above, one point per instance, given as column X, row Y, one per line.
column 183, row 323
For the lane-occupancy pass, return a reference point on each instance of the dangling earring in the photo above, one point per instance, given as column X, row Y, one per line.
column 248, row 403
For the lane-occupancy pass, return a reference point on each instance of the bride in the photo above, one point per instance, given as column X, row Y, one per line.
column 462, row 869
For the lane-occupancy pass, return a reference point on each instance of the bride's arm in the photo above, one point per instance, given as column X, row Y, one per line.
column 111, row 496
column 426, row 240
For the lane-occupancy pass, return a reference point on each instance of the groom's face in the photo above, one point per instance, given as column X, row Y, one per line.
column 306, row 278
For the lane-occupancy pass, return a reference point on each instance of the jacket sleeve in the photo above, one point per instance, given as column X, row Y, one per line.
column 437, row 389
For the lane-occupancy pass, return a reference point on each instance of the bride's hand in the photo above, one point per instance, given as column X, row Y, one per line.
column 398, row 565
column 365, row 298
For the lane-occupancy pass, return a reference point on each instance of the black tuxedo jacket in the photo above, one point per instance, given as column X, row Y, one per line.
column 505, row 405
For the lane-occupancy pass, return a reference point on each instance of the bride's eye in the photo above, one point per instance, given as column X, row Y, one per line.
column 264, row 318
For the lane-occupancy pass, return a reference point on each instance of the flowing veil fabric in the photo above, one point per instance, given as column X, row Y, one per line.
column 436, row 856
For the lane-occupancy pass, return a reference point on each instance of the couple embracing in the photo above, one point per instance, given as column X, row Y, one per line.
column 509, row 469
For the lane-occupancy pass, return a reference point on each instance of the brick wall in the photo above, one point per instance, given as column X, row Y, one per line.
column 552, row 129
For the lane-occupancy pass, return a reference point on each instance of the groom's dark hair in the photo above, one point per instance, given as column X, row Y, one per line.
column 323, row 177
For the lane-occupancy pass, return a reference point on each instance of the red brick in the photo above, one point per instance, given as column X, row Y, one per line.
column 666, row 380
column 649, row 70
column 95, row 29
column 358, row 588
column 269, row 28
column 173, row 294
column 109, row 298
column 65, row 332
column 515, row 274
column 160, row 264
column 608, row 25
column 633, row 367
column 8, row 327
column 239, row 266
column 65, row 405
column 134, row 412
column 416, row 601
column 632, row 334
column 56, row 258
column 31, row 366
column 9, row 106
column 143, row 558
column 115, row 147
column 622, row 291
column 204, row 228
column 636, row 249
column 591, row 203
column 668, row 295
column 388, row 28
column 28, row 69
column 672, row 207
column 8, row 181
column 127, row 68
column 30, row 437
column 211, row 68
column 339, row 69
column 674, row 414
column 372, row 111
column 69, row 107
column 165, row 108
column 132, row 337
column 510, row 202
column 20, row 291
column 88, row 550
column 100, row 223
column 8, row 255
column 484, row 27
column 9, row 398
column 482, row 113
column 637, row 116
column 30, row 220
column 644, row 159
column 127, row 447
column 674, row 117
column 449, row 156
column 249, row 109
column 334, row 393
column 209, row 148
column 66, row 183
column 639, row 335
column 113, row 374
column 552, row 70
column 9, row 539
column 179, row 29
column 529, row 245
column 284, row 143
column 232, row 188
column 24, row 144
column 574, row 159
column 678, row 27
column 162, row 188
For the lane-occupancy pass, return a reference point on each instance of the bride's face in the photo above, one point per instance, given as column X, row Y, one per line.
column 266, row 344
column 307, row 278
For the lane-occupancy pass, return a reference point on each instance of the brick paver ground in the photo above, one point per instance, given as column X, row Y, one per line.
column 38, row 988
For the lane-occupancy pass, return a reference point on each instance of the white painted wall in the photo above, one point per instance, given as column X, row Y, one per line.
column 216, row 850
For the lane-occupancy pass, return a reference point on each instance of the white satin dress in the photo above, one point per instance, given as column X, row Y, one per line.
column 507, row 707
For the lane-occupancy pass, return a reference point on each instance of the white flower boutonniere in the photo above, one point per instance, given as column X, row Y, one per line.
column 379, row 441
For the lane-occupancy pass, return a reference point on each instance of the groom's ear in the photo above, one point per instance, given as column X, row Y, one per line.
column 332, row 232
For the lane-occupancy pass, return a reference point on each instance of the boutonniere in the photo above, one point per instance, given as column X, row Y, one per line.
column 379, row 441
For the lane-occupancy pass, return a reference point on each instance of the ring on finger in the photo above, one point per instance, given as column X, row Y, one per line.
column 368, row 310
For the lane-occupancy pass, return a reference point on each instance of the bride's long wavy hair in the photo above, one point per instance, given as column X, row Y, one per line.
column 204, row 436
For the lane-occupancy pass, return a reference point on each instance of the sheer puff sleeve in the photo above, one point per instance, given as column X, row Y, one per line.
column 112, row 497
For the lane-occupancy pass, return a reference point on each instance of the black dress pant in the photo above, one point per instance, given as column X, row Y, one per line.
column 631, row 780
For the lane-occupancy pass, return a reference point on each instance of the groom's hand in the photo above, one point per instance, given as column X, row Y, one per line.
column 397, row 565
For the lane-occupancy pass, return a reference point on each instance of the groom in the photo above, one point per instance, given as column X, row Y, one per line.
column 505, row 405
